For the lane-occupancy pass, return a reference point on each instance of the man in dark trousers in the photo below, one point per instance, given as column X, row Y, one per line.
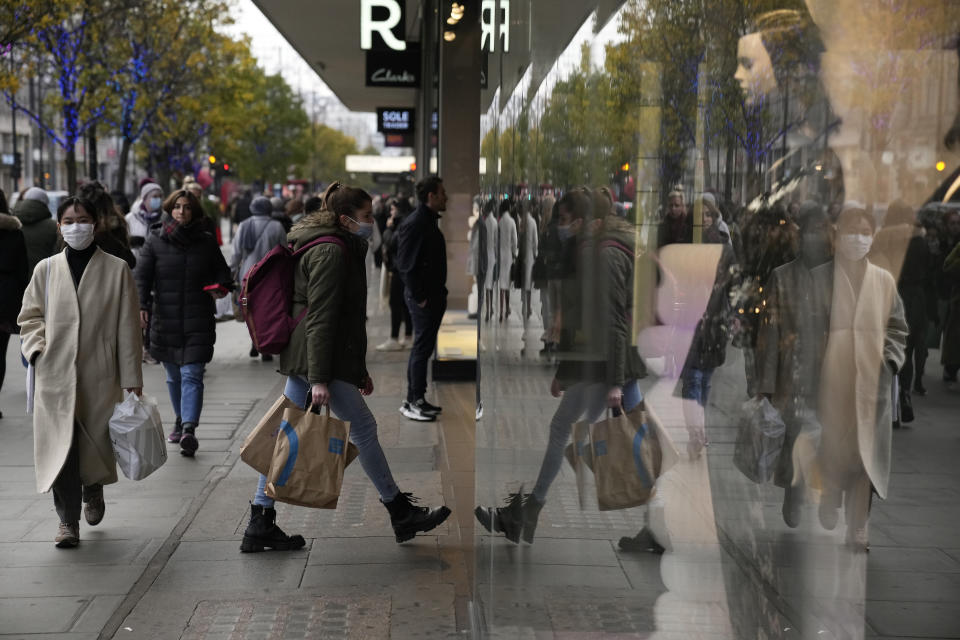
column 422, row 264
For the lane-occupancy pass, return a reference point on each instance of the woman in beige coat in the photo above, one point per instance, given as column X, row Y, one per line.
column 864, row 350
column 80, row 328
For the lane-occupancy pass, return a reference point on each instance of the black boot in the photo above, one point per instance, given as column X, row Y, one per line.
column 408, row 519
column 188, row 440
column 643, row 541
column 531, row 514
column 906, row 407
column 507, row 520
column 263, row 533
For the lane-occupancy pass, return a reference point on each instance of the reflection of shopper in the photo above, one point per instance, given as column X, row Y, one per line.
column 422, row 263
column 864, row 350
column 508, row 249
column 790, row 345
column 598, row 367
column 14, row 275
column 550, row 254
column 80, row 330
column 901, row 249
column 950, row 354
column 492, row 243
column 531, row 242
column 949, row 278
column 180, row 272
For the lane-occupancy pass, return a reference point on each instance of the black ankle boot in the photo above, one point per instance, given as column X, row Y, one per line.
column 408, row 519
column 188, row 440
column 531, row 514
column 262, row 532
column 643, row 541
column 507, row 520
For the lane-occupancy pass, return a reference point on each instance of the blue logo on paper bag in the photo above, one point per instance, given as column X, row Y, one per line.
column 336, row 446
column 294, row 441
column 638, row 458
column 600, row 448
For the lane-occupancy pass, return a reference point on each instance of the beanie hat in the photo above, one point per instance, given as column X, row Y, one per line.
column 36, row 193
column 261, row 206
column 149, row 188
column 144, row 181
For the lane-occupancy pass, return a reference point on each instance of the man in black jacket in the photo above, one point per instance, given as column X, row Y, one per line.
column 422, row 264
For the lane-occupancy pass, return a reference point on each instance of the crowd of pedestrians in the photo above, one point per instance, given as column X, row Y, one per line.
column 143, row 286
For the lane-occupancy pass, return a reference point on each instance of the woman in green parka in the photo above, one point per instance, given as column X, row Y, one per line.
column 325, row 361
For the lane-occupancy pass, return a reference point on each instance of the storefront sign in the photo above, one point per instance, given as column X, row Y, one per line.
column 395, row 120
column 382, row 25
column 394, row 68
column 398, row 140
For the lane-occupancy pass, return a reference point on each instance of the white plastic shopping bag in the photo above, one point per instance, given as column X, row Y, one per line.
column 137, row 436
column 759, row 440
column 31, row 387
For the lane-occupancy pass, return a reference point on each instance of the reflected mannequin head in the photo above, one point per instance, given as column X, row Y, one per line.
column 781, row 53
column 754, row 69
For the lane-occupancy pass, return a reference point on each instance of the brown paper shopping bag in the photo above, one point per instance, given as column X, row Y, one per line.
column 627, row 453
column 257, row 449
column 311, row 452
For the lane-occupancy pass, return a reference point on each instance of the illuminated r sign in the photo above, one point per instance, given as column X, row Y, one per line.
column 488, row 26
column 383, row 27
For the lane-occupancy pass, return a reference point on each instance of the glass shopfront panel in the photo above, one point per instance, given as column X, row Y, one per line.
column 729, row 220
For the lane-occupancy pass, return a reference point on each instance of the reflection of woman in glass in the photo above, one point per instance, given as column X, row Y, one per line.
column 778, row 65
column 790, row 344
column 864, row 350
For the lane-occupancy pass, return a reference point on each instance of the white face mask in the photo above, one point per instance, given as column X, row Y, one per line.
column 153, row 204
column 854, row 247
column 364, row 230
column 78, row 236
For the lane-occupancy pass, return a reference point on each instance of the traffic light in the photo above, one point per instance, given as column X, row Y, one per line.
column 226, row 169
column 212, row 159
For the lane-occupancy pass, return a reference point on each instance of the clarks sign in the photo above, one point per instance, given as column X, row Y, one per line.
column 394, row 68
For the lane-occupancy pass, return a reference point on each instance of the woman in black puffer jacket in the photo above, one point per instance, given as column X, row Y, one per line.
column 180, row 272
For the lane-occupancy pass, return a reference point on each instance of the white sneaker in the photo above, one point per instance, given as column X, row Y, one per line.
column 390, row 345
column 413, row 412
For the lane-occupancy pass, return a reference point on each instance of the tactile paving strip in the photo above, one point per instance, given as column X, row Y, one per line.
column 324, row 617
column 623, row 616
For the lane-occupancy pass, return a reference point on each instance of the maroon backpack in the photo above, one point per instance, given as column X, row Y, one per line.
column 266, row 297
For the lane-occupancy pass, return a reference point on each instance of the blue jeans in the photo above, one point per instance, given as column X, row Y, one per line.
column 695, row 385
column 348, row 405
column 185, row 383
column 585, row 400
